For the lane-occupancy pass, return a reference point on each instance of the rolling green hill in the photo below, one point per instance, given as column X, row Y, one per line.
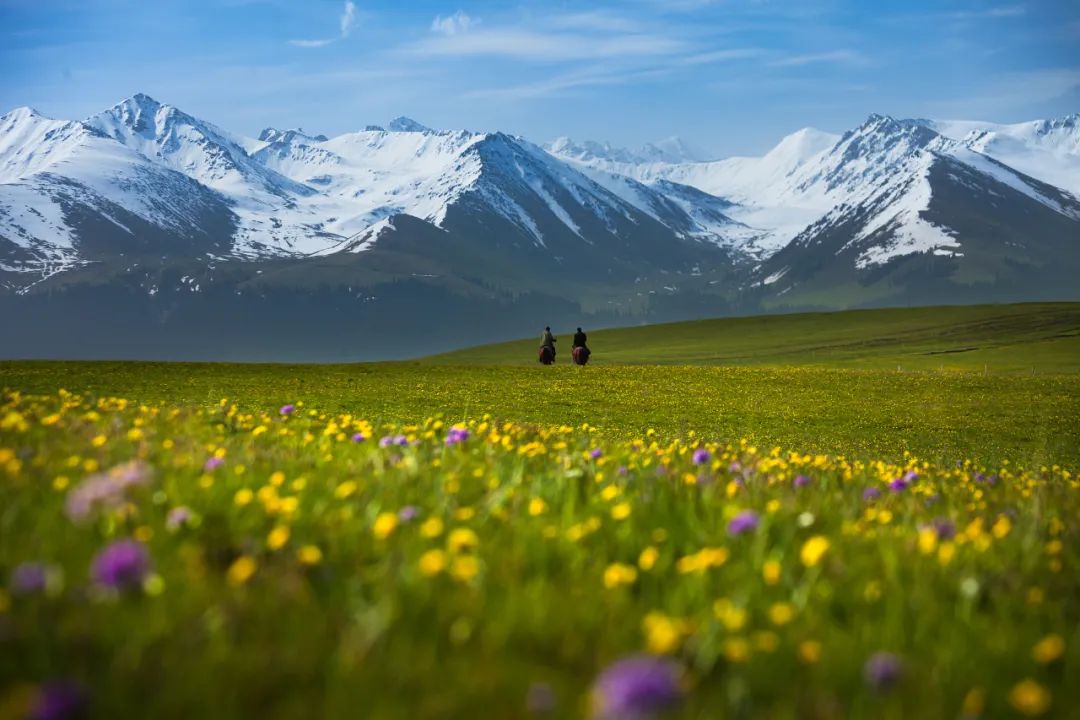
column 1020, row 338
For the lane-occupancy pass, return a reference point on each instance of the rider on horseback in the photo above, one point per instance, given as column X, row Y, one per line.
column 547, row 340
column 580, row 351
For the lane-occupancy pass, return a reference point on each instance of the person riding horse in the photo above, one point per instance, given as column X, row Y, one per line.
column 580, row 351
column 547, row 345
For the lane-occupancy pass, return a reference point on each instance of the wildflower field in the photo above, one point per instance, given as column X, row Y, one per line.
column 405, row 541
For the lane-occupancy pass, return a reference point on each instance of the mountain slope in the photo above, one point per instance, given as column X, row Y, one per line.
column 924, row 217
column 70, row 195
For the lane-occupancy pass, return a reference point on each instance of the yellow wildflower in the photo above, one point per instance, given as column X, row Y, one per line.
column 277, row 537
column 621, row 511
column 736, row 650
column 309, row 555
column 432, row 562
column 384, row 525
column 241, row 570
column 618, row 574
column 927, row 540
column 462, row 540
column 345, row 489
column 243, row 496
column 770, row 572
column 813, row 550
column 1029, row 698
column 662, row 633
column 809, row 652
column 781, row 613
column 974, row 703
column 648, row 557
column 730, row 615
column 464, row 568
column 1049, row 649
column 431, row 528
column 537, row 507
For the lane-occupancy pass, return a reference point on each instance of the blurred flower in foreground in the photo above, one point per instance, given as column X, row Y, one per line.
column 457, row 435
column 702, row 456
column 744, row 522
column 540, row 699
column 106, row 490
column 123, row 565
column 637, row 688
column 882, row 671
column 1029, row 698
column 59, row 700
column 29, row 578
column 287, row 409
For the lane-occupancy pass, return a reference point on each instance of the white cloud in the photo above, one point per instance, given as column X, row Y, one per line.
column 454, row 24
column 348, row 18
column 346, row 23
column 541, row 46
column 834, row 56
column 312, row 43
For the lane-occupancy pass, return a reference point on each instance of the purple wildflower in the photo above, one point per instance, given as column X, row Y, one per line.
column 29, row 578
column 945, row 528
column 58, row 700
column 359, row 437
column 898, row 485
column 287, row 409
column 596, row 453
column 123, row 565
column 702, row 456
column 540, row 699
column 457, row 435
column 801, row 481
column 637, row 688
column 213, row 463
column 106, row 490
column 177, row 517
column 911, row 476
column 388, row 440
column 407, row 513
column 745, row 522
column 623, row 470
column 871, row 494
column 882, row 671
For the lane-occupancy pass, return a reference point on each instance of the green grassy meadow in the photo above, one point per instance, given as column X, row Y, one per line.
column 770, row 521
column 1014, row 339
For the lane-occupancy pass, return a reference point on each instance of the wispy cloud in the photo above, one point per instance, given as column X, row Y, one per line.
column 541, row 46
column 454, row 24
column 1012, row 93
column 560, row 84
column 998, row 11
column 597, row 20
column 346, row 24
column 833, row 56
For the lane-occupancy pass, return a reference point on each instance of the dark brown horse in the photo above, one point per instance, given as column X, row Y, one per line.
column 547, row 355
column 580, row 354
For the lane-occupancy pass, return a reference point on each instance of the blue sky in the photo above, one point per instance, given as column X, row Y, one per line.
column 731, row 76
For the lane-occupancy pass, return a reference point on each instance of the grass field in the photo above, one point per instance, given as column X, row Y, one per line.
column 1014, row 339
column 426, row 540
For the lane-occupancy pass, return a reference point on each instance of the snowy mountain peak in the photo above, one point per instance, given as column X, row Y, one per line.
column 271, row 135
column 672, row 150
column 405, row 124
column 21, row 114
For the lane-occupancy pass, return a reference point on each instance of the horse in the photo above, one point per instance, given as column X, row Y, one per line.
column 580, row 354
column 547, row 355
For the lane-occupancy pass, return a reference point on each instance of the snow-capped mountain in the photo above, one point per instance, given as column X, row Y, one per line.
column 69, row 195
column 1048, row 150
column 403, row 218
